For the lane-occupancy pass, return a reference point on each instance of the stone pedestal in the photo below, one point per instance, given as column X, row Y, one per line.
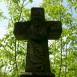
column 28, row 74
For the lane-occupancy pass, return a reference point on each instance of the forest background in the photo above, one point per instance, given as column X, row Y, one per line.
column 63, row 52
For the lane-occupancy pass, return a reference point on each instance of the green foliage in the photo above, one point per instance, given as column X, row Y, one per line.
column 31, row 1
column 63, row 52
column 1, row 15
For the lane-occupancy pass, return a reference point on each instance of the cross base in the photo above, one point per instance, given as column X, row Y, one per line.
column 36, row 74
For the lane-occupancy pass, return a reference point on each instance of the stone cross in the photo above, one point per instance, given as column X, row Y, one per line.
column 37, row 31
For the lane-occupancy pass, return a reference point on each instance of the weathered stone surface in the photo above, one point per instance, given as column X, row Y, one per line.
column 37, row 59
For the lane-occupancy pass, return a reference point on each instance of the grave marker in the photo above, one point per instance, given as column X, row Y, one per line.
column 37, row 31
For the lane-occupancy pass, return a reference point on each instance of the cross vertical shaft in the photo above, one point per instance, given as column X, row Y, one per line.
column 37, row 59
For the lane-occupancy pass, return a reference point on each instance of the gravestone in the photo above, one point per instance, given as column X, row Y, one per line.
column 37, row 31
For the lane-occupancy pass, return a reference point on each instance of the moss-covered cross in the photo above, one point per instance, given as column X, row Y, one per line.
column 37, row 31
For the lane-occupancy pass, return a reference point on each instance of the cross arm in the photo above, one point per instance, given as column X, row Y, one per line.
column 21, row 30
column 54, row 29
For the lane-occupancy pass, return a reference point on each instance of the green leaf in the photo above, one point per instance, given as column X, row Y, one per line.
column 15, row 1
column 31, row 1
